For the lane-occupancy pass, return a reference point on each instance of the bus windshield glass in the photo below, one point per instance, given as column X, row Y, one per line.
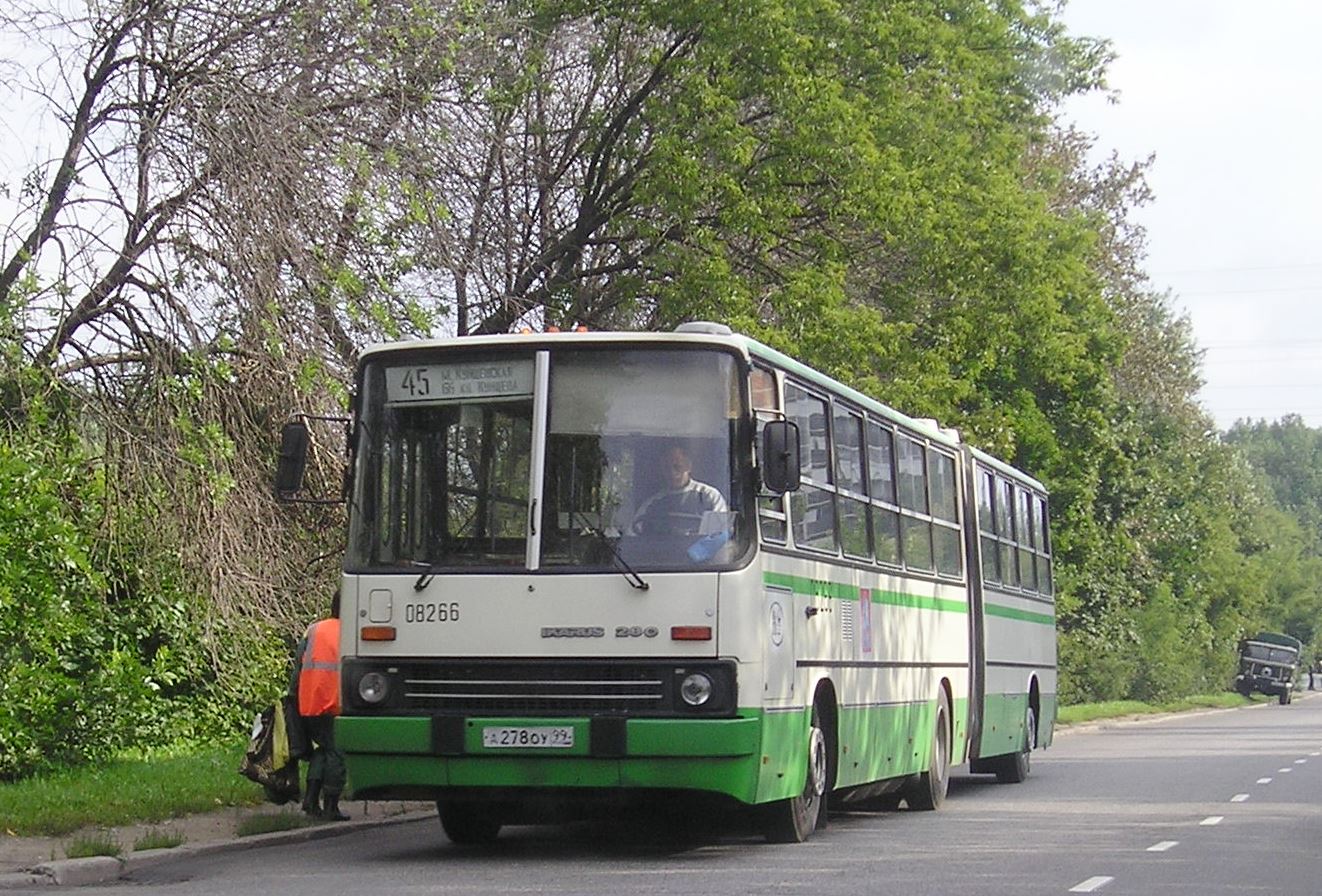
column 640, row 468
column 640, row 460
column 442, row 466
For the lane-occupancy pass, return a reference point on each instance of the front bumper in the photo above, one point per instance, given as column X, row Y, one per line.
column 420, row 757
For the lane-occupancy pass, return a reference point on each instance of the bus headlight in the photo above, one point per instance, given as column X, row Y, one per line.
column 695, row 689
column 373, row 688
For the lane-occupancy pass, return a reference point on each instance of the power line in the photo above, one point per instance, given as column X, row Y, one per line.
column 1272, row 343
column 1263, row 386
column 1267, row 359
column 1244, row 292
column 1273, row 267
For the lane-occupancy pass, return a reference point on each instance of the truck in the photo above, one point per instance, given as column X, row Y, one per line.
column 1269, row 664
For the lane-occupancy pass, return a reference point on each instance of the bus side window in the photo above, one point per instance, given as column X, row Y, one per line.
column 1025, row 539
column 812, row 507
column 881, row 489
column 1042, row 544
column 850, row 484
column 991, row 567
column 1005, row 531
column 762, row 391
column 915, row 531
column 945, row 514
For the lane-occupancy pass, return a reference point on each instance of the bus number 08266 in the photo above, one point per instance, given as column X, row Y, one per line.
column 431, row 612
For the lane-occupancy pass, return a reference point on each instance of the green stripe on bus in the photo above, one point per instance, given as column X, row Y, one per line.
column 1019, row 615
column 841, row 591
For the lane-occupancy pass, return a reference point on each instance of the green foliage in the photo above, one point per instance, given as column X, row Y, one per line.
column 275, row 821
column 159, row 838
column 1286, row 456
column 101, row 638
column 66, row 668
column 150, row 787
column 95, row 844
column 1081, row 713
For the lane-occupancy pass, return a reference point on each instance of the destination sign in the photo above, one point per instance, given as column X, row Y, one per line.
column 470, row 381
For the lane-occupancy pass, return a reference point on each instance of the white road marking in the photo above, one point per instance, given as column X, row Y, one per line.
column 1300, row 761
column 1239, row 797
column 1264, row 780
column 1163, row 845
column 1316, row 753
column 1211, row 820
column 1091, row 885
column 1285, row 771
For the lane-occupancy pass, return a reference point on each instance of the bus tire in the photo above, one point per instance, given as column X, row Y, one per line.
column 1013, row 769
column 793, row 820
column 929, row 791
column 466, row 824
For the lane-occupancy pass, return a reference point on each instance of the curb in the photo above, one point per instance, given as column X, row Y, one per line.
column 101, row 869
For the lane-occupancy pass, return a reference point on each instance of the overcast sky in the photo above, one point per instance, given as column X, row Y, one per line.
column 1228, row 96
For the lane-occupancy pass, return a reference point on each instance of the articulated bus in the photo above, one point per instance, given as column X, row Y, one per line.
column 585, row 569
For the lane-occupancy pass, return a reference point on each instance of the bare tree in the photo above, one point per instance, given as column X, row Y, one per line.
column 216, row 237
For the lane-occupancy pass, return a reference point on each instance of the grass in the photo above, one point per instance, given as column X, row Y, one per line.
column 102, row 843
column 1114, row 709
column 132, row 789
column 158, row 838
column 276, row 821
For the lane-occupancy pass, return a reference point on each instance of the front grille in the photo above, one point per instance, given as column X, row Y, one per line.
column 499, row 688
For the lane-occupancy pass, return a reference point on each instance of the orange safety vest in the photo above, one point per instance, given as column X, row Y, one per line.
column 319, row 675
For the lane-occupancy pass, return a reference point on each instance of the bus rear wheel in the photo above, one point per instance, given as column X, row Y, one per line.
column 793, row 820
column 1013, row 769
column 929, row 791
column 466, row 824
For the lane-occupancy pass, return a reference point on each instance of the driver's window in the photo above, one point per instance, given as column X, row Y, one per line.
column 766, row 406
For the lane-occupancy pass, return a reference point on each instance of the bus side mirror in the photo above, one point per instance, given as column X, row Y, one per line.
column 293, row 460
column 780, row 456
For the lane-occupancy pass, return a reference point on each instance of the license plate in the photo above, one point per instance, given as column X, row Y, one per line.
column 551, row 738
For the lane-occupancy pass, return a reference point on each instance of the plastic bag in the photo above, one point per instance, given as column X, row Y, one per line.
column 267, row 760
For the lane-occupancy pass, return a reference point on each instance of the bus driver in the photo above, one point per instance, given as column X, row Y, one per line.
column 678, row 509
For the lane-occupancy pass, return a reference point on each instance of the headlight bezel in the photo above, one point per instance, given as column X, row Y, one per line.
column 720, row 699
column 379, row 684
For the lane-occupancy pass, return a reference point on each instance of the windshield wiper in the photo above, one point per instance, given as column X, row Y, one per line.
column 429, row 573
column 630, row 575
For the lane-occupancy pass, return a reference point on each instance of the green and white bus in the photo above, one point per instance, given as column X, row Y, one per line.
column 589, row 568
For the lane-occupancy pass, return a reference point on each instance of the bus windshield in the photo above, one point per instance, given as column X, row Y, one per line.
column 640, row 464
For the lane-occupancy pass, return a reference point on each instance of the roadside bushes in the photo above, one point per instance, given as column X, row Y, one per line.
column 99, row 641
column 63, row 677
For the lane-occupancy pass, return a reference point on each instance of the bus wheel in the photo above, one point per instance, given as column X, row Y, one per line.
column 466, row 824
column 929, row 791
column 793, row 820
column 1013, row 769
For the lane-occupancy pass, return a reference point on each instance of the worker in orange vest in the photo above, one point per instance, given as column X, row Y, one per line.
column 316, row 682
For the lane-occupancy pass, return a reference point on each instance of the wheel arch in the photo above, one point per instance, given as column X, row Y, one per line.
column 1035, row 702
column 824, row 694
column 948, row 690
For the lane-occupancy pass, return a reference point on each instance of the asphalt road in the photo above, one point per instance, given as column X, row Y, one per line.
column 1209, row 803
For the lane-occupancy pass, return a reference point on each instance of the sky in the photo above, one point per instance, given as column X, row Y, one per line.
column 1227, row 96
